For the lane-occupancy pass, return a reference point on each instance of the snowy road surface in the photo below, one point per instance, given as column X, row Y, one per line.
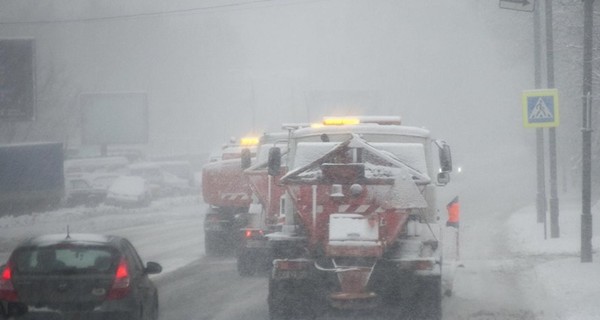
column 494, row 282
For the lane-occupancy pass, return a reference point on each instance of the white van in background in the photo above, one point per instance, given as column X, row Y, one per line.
column 87, row 179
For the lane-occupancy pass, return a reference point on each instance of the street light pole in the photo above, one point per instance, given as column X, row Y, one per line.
column 554, row 228
column 539, row 132
column 586, row 187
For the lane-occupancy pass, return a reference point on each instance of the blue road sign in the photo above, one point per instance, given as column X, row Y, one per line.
column 540, row 108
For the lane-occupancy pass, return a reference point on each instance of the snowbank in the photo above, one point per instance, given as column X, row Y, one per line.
column 572, row 285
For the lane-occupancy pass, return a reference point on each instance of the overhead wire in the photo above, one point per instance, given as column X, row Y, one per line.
column 246, row 5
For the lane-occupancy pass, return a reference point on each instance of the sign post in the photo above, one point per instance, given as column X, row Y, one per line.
column 540, row 110
column 586, row 183
column 520, row 5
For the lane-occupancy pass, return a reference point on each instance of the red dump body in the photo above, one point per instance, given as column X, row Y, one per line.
column 224, row 185
column 386, row 224
column 355, row 199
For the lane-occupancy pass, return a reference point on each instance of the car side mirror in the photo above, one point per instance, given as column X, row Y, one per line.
column 274, row 161
column 246, row 158
column 445, row 156
column 153, row 268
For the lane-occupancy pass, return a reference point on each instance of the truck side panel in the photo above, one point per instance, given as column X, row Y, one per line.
column 224, row 185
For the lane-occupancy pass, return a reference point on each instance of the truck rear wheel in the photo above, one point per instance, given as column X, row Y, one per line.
column 253, row 261
column 428, row 300
column 279, row 300
column 211, row 244
column 245, row 264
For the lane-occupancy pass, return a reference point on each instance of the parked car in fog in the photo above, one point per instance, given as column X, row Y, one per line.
column 87, row 179
column 129, row 191
column 162, row 182
column 151, row 172
column 88, row 190
column 175, row 186
column 78, row 276
column 85, row 166
column 180, row 169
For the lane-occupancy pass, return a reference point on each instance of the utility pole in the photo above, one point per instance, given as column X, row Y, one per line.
column 554, row 228
column 526, row 5
column 586, row 187
column 539, row 132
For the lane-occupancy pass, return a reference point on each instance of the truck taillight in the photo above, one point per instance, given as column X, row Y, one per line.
column 7, row 290
column 253, row 234
column 424, row 265
column 121, row 285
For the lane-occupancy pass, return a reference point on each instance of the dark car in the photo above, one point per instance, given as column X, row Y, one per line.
column 78, row 276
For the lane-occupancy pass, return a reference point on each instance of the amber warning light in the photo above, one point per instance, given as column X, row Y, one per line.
column 340, row 121
column 249, row 141
column 381, row 120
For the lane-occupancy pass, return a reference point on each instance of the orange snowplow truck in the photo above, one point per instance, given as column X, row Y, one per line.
column 226, row 191
column 361, row 228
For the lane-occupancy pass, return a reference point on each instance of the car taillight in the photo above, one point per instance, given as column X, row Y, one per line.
column 121, row 285
column 7, row 290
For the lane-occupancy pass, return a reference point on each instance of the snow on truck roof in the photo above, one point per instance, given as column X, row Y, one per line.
column 144, row 166
column 272, row 137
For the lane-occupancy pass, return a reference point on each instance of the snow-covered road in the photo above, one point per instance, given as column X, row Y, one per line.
column 169, row 231
column 507, row 270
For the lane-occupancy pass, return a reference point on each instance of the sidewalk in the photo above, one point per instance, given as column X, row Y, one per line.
column 573, row 286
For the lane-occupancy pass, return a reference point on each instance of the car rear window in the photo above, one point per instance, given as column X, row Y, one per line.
column 65, row 259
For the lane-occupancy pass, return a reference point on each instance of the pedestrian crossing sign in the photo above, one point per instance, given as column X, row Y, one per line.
column 540, row 108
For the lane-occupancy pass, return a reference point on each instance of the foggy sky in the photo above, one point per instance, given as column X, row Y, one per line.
column 455, row 67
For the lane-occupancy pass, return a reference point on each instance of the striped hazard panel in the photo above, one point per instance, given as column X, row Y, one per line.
column 235, row 196
column 363, row 208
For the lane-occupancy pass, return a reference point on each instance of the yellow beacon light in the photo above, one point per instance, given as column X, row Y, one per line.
column 340, row 121
column 249, row 141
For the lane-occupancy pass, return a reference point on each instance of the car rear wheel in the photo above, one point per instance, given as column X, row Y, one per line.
column 153, row 312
